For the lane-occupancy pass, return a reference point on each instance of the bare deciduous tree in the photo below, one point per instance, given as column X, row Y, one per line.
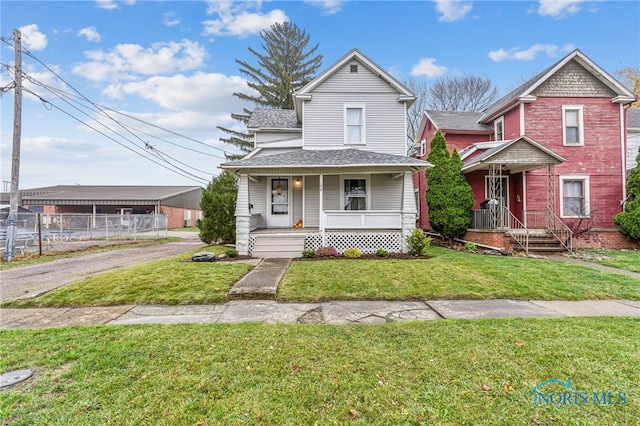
column 462, row 93
column 414, row 114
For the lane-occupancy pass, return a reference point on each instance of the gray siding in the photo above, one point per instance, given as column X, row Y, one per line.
column 296, row 208
column 331, row 192
column 312, row 201
column 573, row 80
column 261, row 137
column 271, row 151
column 258, row 197
column 386, row 193
column 385, row 116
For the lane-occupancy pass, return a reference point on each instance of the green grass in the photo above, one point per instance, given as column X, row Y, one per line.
column 171, row 281
column 186, row 229
column 450, row 274
column 624, row 259
column 32, row 258
column 393, row 374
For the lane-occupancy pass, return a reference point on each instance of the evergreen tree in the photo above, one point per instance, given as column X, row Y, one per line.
column 218, row 205
column 629, row 219
column 286, row 65
column 449, row 196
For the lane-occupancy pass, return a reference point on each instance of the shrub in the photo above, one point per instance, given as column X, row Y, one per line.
column 308, row 253
column 417, row 242
column 328, row 251
column 382, row 252
column 218, row 204
column 352, row 253
column 470, row 247
column 231, row 252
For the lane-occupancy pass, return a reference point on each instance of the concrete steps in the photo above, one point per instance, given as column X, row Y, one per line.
column 285, row 245
column 543, row 243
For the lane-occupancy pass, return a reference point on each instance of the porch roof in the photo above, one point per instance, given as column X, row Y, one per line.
column 323, row 159
column 520, row 154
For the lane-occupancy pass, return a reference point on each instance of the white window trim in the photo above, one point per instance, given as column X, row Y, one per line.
column 580, row 109
column 423, row 147
column 363, row 140
column 367, row 182
column 495, row 128
column 587, row 199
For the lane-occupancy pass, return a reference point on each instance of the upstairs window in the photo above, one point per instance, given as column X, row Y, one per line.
column 499, row 129
column 354, row 125
column 572, row 124
column 575, row 196
column 423, row 147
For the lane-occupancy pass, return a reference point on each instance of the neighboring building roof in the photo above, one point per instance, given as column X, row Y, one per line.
column 54, row 194
column 633, row 118
column 273, row 119
column 463, row 121
column 536, row 156
column 349, row 157
column 624, row 95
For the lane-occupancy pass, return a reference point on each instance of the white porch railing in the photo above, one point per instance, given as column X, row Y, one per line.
column 254, row 221
column 365, row 219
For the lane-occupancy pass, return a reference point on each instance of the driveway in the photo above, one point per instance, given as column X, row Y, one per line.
column 30, row 281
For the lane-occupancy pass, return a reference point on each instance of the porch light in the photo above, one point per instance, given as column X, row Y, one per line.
column 298, row 182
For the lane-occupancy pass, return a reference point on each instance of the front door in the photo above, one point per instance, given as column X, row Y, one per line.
column 279, row 200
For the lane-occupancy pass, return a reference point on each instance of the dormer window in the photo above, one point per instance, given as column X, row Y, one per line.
column 499, row 129
column 354, row 68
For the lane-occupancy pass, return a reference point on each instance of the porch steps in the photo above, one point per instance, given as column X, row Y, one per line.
column 285, row 245
column 542, row 243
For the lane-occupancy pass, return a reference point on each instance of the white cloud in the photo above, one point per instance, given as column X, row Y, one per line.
column 112, row 5
column 170, row 19
column 452, row 10
column 90, row 33
column 126, row 60
column 427, row 67
column 33, row 39
column 551, row 50
column 240, row 19
column 329, row 7
column 558, row 9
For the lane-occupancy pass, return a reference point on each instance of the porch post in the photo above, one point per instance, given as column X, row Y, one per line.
column 321, row 216
column 409, row 209
column 495, row 192
column 243, row 216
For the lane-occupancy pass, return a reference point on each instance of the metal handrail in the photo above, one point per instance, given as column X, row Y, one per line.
column 516, row 229
column 558, row 229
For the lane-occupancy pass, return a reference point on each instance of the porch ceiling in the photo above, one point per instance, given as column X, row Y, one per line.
column 304, row 161
column 517, row 155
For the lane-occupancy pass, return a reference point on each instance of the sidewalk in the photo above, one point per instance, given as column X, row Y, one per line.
column 336, row 312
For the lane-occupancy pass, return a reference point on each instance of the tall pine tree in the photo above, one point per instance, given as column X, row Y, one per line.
column 449, row 196
column 286, row 65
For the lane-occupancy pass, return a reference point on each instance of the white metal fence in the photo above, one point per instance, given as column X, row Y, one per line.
column 35, row 230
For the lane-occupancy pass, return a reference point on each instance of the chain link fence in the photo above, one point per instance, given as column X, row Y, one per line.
column 47, row 232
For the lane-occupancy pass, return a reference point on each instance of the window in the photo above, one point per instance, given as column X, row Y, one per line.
column 354, row 123
column 572, row 125
column 423, row 147
column 355, row 194
column 354, row 68
column 574, row 193
column 499, row 129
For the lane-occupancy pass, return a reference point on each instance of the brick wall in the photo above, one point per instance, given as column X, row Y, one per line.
column 604, row 238
column 175, row 216
column 490, row 238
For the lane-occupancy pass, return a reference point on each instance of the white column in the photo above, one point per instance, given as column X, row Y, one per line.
column 243, row 216
column 409, row 208
column 320, row 203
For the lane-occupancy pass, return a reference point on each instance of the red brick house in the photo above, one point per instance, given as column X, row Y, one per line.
column 550, row 156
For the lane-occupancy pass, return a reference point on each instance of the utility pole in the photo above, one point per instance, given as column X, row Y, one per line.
column 15, row 157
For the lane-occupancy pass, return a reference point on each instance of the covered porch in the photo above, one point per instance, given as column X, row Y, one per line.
column 498, row 175
column 307, row 199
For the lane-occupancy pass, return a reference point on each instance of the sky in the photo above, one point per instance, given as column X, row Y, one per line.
column 131, row 92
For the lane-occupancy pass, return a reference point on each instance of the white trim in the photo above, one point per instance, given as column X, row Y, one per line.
column 585, row 187
column 623, row 149
column 522, row 121
column 304, row 199
column 289, row 202
column 423, row 147
column 367, row 183
column 524, row 197
column 499, row 120
column 580, row 109
column 363, row 124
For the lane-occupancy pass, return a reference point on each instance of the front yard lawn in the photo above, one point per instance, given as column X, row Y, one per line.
column 172, row 281
column 624, row 259
column 450, row 274
column 438, row 372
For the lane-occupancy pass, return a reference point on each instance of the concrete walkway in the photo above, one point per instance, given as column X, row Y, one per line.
column 336, row 312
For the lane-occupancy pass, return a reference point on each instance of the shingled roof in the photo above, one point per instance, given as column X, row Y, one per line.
column 273, row 119
column 450, row 120
column 325, row 158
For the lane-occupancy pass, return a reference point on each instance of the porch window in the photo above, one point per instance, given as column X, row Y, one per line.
column 572, row 123
column 354, row 124
column 355, row 194
column 575, row 196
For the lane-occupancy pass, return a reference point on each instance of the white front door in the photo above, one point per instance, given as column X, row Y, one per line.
column 279, row 203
